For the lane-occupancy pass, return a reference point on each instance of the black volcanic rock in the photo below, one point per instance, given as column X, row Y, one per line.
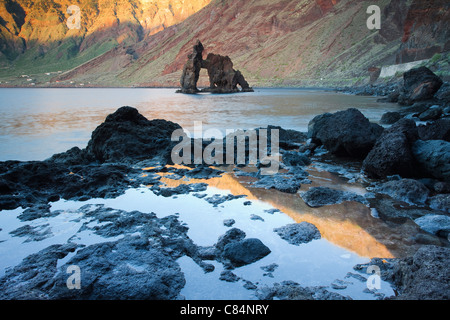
column 322, row 196
column 436, row 130
column 345, row 133
column 127, row 136
column 390, row 118
column 419, row 84
column 101, row 170
column 392, row 152
column 235, row 250
column 406, row 190
column 424, row 276
column 298, row 233
column 433, row 157
column 245, row 252
column 443, row 95
column 141, row 265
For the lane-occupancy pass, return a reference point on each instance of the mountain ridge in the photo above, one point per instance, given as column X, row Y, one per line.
column 273, row 43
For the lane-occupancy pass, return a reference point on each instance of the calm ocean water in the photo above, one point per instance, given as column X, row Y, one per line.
column 37, row 123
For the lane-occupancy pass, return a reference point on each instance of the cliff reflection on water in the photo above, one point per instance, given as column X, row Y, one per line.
column 349, row 225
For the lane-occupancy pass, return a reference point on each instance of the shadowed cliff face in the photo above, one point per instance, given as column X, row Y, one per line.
column 425, row 30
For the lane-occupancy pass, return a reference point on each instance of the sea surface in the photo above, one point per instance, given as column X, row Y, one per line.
column 37, row 123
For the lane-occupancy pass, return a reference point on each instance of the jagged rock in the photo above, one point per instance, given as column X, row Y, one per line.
column 435, row 224
column 436, row 130
column 191, row 70
column 424, row 276
column 245, row 252
column 228, row 222
column 345, row 133
column 392, row 152
column 441, row 202
column 222, row 77
column 433, row 157
column 181, row 189
column 322, row 196
column 391, row 210
column 290, row 290
column 141, row 265
column 419, row 84
column 390, row 118
column 406, row 190
column 284, row 182
column 298, row 233
column 443, row 95
column 126, row 136
column 433, row 113
column 236, row 251
column 101, row 170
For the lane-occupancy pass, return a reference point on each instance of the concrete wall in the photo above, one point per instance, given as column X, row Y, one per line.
column 390, row 71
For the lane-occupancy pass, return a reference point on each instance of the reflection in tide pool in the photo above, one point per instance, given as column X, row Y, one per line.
column 348, row 225
column 38, row 123
column 318, row 263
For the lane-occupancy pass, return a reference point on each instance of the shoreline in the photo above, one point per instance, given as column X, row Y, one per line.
column 75, row 175
column 391, row 183
column 327, row 88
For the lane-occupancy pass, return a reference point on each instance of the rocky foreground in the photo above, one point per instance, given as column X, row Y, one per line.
column 406, row 167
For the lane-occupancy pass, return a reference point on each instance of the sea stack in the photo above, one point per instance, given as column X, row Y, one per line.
column 222, row 77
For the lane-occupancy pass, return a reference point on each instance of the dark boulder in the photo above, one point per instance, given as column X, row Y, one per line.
column 345, row 133
column 393, row 211
column 406, row 190
column 316, row 124
column 441, row 202
column 392, row 152
column 235, row 251
column 436, row 224
column 433, row 113
column 124, row 270
column 419, row 84
column 127, row 136
column 390, row 118
column 425, row 276
column 232, row 235
column 245, row 252
column 436, row 130
column 433, row 157
column 443, row 95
